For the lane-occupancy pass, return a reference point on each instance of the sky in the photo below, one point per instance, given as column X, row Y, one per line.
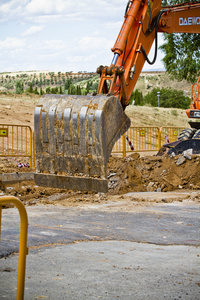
column 61, row 35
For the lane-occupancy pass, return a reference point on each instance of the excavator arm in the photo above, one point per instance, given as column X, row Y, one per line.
column 181, row 18
column 142, row 21
column 74, row 135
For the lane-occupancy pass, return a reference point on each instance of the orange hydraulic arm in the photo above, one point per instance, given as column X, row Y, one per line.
column 181, row 18
column 142, row 20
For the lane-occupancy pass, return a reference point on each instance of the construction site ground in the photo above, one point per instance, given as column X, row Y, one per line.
column 138, row 241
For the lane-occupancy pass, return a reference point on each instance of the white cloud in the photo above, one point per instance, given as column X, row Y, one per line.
column 92, row 43
column 33, row 30
column 160, row 39
column 10, row 9
column 48, row 45
column 46, row 6
column 11, row 43
column 61, row 34
column 33, row 9
column 113, row 25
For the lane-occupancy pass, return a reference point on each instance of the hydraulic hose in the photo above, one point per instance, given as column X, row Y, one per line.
column 154, row 24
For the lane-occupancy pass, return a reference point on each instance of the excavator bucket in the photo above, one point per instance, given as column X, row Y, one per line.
column 74, row 137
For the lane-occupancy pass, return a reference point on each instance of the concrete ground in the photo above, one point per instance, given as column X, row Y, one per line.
column 151, row 252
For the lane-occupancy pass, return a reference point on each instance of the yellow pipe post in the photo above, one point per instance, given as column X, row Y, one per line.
column 124, row 145
column 0, row 221
column 33, row 149
column 159, row 138
column 23, row 250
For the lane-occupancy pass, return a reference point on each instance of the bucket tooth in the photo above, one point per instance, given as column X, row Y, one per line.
column 74, row 137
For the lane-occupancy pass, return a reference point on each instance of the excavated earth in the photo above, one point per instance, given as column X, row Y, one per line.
column 129, row 178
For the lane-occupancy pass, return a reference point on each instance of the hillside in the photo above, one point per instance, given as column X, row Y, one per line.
column 19, row 109
column 148, row 80
column 43, row 79
column 40, row 80
column 153, row 116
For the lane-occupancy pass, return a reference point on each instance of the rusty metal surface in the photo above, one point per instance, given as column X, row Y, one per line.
column 16, row 177
column 74, row 136
column 72, row 182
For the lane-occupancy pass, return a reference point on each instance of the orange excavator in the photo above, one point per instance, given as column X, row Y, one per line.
column 189, row 138
column 194, row 113
column 74, row 135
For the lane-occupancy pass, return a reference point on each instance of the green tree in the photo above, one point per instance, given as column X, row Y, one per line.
column 46, row 81
column 168, row 98
column 48, row 90
column 51, row 74
column 30, row 89
column 182, row 52
column 36, row 91
column 41, row 92
column 19, row 87
column 88, row 86
column 68, row 83
column 94, row 86
column 60, row 90
column 78, row 90
column 72, row 90
column 8, row 85
column 63, row 80
column 137, row 97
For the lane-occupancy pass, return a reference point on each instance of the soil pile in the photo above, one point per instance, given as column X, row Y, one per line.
column 153, row 173
column 130, row 174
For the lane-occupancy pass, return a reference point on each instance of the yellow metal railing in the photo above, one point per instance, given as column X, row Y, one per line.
column 16, row 141
column 146, row 139
column 169, row 134
column 142, row 139
column 23, row 250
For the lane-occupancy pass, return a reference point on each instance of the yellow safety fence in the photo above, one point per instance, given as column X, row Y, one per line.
column 169, row 134
column 23, row 250
column 146, row 139
column 16, row 141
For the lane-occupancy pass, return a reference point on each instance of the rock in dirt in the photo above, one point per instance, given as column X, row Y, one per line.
column 188, row 153
column 151, row 187
column 180, row 161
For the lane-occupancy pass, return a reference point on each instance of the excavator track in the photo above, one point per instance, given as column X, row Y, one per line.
column 74, row 137
column 186, row 134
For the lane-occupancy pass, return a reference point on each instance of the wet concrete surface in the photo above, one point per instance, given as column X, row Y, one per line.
column 152, row 253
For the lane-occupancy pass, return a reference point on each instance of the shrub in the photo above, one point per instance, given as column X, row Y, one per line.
column 137, row 97
column 174, row 112
column 168, row 98
column 19, row 87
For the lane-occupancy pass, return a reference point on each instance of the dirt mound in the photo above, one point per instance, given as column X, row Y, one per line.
column 152, row 173
column 130, row 174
